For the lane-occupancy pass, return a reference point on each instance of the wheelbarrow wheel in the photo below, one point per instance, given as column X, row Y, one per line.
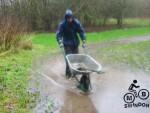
column 84, row 83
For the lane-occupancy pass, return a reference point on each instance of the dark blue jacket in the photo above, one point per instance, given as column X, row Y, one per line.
column 68, row 32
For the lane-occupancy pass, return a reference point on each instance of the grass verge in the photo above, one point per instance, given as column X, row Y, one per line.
column 14, row 76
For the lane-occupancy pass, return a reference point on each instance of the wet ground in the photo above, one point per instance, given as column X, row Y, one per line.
column 60, row 95
column 121, row 41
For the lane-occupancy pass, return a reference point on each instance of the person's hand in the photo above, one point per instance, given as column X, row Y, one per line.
column 61, row 45
column 83, row 44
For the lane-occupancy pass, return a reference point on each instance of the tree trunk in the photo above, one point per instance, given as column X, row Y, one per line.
column 119, row 21
column 104, row 21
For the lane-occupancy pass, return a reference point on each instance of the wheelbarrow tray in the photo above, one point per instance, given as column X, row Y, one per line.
column 82, row 63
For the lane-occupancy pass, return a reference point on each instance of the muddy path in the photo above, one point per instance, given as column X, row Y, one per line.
column 60, row 95
column 121, row 41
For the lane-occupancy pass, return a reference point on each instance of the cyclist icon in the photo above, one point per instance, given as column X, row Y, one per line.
column 132, row 86
column 130, row 96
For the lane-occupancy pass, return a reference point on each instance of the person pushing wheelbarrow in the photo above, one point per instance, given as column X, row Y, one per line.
column 67, row 36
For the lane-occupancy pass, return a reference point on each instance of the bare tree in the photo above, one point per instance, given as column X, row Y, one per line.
column 45, row 14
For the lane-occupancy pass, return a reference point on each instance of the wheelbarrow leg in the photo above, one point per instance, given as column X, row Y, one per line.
column 85, row 83
column 90, row 81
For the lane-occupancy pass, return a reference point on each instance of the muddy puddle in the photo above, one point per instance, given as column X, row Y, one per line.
column 60, row 95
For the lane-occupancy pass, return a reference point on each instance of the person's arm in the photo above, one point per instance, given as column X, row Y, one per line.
column 136, row 86
column 59, row 34
column 81, row 31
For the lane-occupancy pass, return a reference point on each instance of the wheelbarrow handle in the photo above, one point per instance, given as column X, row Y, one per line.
column 85, row 51
column 63, row 51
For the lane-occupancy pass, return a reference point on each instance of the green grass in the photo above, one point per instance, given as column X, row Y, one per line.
column 14, row 76
column 135, row 55
column 47, row 40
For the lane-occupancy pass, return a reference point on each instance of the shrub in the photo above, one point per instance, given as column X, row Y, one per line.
column 11, row 31
column 26, row 45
